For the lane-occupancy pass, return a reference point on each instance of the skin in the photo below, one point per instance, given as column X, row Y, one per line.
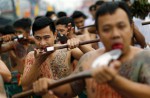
column 107, row 81
column 2, row 90
column 4, row 72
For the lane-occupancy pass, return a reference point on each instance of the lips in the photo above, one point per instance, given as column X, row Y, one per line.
column 117, row 46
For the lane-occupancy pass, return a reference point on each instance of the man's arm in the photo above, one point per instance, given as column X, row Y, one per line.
column 2, row 89
column 4, row 72
column 139, row 37
column 130, row 88
column 7, row 46
column 31, row 70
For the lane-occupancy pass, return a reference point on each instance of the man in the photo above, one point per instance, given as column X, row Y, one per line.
column 54, row 65
column 22, row 46
column 91, row 19
column 130, row 80
column 83, row 34
column 63, row 26
column 51, row 15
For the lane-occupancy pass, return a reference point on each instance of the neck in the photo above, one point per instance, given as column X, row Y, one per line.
column 126, row 55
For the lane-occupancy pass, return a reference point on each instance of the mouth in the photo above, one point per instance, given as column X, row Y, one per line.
column 117, row 46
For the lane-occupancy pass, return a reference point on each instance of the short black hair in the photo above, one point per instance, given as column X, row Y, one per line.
column 65, row 21
column 41, row 23
column 92, row 7
column 110, row 8
column 8, row 29
column 37, row 17
column 61, row 14
column 24, row 23
column 78, row 14
column 49, row 13
column 98, row 3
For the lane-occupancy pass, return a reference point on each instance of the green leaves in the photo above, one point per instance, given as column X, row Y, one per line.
column 140, row 8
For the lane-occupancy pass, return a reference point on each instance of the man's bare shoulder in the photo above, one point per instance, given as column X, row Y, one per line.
column 30, row 55
column 90, row 56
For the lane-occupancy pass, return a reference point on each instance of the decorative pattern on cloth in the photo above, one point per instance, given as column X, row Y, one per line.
column 103, row 91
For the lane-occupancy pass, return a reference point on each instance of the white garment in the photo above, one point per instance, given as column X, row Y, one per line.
column 144, row 29
column 89, row 21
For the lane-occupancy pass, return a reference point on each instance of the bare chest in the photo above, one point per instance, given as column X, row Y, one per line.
column 57, row 67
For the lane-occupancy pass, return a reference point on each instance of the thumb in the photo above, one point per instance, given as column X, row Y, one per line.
column 115, row 65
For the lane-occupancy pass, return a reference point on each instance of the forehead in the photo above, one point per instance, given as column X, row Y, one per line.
column 44, row 31
column 118, row 16
column 79, row 19
column 60, row 26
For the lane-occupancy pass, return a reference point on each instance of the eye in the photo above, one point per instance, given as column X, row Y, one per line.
column 121, row 26
column 46, row 37
column 37, row 38
column 106, row 30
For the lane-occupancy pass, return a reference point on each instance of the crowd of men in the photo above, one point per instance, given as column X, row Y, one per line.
column 26, row 63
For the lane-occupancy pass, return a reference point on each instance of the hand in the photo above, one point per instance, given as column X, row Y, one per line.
column 40, row 56
column 71, row 31
column 73, row 43
column 40, row 87
column 105, row 73
column 6, row 38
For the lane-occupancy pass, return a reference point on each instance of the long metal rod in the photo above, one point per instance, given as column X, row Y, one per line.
column 146, row 23
column 81, row 75
column 81, row 43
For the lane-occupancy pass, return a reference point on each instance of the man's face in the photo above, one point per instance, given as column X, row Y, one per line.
column 62, row 29
column 44, row 38
column 115, row 30
column 20, row 31
column 93, row 13
column 79, row 22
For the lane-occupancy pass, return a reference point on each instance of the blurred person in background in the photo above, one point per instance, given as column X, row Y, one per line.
column 83, row 34
column 61, row 14
column 52, row 15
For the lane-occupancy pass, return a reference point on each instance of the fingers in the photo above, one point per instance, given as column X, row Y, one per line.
column 39, row 52
column 40, row 87
column 7, row 38
column 105, row 73
column 73, row 43
column 115, row 65
column 101, row 75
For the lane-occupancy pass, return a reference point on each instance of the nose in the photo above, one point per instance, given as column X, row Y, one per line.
column 42, row 43
column 116, row 33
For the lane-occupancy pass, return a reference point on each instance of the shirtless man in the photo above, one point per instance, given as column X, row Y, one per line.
column 23, row 46
column 55, row 65
column 63, row 28
column 83, row 34
column 130, row 80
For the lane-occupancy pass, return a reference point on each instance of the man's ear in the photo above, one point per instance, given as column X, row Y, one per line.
column 55, row 35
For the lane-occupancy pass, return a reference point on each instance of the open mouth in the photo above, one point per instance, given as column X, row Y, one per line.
column 117, row 46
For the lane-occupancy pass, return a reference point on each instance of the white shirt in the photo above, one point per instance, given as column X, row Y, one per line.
column 144, row 29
